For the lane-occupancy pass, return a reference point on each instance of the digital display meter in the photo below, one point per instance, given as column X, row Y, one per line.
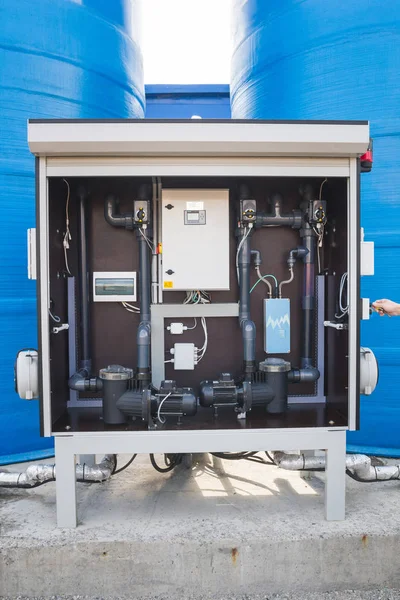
column 195, row 217
column 114, row 286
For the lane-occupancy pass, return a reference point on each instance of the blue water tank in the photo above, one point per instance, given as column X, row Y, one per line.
column 59, row 59
column 309, row 59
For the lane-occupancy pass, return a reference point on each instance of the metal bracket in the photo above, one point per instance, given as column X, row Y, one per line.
column 337, row 326
column 62, row 327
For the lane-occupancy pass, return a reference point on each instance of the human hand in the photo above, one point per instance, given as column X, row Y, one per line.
column 386, row 307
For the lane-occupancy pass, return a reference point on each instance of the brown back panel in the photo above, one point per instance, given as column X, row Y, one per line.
column 336, row 346
column 114, row 329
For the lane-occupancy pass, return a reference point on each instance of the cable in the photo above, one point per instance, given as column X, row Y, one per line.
column 203, row 349
column 67, row 236
column 233, row 455
column 262, row 279
column 194, row 327
column 130, row 308
column 130, row 461
column 148, row 242
column 282, row 283
column 55, row 318
column 160, row 405
column 172, row 465
column 344, row 309
column 320, row 189
column 269, row 457
column 242, row 241
column 320, row 235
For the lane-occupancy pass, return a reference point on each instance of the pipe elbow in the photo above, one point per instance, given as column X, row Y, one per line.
column 306, row 375
column 257, row 257
column 77, row 382
column 112, row 215
column 297, row 253
column 80, row 382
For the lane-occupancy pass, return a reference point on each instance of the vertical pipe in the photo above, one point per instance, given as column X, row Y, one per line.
column 144, row 279
column 244, row 260
column 86, row 362
column 247, row 325
column 143, row 332
column 308, row 300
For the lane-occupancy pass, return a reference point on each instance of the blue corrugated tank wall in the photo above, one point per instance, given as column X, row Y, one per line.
column 58, row 59
column 308, row 59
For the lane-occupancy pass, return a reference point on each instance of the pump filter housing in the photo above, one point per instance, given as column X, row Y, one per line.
column 276, row 371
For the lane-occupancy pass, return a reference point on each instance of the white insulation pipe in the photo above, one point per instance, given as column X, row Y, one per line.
column 359, row 465
column 36, row 475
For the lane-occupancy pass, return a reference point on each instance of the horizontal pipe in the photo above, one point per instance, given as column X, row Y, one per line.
column 36, row 475
column 276, row 219
column 291, row 220
column 358, row 465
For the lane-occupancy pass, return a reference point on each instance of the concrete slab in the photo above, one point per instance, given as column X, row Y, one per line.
column 222, row 527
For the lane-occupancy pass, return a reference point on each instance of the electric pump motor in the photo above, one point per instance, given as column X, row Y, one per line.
column 168, row 400
column 225, row 392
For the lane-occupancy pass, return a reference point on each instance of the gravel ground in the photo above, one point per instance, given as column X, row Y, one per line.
column 385, row 594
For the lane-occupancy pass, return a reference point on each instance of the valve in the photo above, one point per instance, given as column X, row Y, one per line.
column 141, row 212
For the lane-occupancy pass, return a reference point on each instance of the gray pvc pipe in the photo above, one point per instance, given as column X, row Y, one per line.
column 143, row 336
column 86, row 359
column 276, row 218
column 247, row 325
column 144, row 279
column 112, row 215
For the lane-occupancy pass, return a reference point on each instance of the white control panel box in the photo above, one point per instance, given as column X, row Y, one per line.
column 195, row 239
column 183, row 357
column 114, row 286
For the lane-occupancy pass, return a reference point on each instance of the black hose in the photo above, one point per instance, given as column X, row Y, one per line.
column 130, row 461
column 269, row 457
column 233, row 455
column 173, row 464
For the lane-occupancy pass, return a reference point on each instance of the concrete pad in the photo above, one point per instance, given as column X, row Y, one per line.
column 222, row 527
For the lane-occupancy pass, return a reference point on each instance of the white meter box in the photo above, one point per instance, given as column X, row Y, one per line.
column 195, row 239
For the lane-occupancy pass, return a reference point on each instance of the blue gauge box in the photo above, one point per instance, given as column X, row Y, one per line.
column 277, row 326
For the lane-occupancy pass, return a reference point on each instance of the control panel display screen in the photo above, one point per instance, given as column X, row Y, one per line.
column 112, row 287
column 195, row 217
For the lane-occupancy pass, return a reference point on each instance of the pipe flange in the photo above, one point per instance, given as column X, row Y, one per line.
column 274, row 365
column 116, row 373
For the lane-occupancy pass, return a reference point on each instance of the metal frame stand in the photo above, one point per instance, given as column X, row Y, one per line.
column 333, row 441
